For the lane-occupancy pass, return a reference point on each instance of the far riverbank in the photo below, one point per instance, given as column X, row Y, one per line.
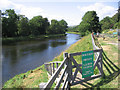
column 10, row 40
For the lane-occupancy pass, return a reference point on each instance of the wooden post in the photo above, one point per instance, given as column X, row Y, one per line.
column 50, row 69
column 57, row 64
column 53, row 68
column 69, row 69
column 64, row 56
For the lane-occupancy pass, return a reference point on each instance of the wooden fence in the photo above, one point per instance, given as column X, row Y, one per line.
column 65, row 74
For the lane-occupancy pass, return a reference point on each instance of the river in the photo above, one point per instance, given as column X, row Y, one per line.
column 26, row 55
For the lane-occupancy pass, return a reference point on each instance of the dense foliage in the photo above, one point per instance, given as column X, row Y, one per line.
column 90, row 23
column 111, row 22
column 14, row 25
column 73, row 29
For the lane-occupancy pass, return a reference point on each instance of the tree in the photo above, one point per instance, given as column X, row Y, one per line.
column 23, row 26
column 9, row 23
column 90, row 23
column 54, row 27
column 57, row 27
column 84, row 27
column 106, row 23
column 38, row 25
column 63, row 26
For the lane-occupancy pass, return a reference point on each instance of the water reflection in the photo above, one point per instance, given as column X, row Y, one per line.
column 26, row 55
column 55, row 43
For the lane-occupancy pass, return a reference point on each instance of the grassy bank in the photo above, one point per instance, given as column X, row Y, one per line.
column 73, row 32
column 33, row 78
column 110, row 47
column 26, row 38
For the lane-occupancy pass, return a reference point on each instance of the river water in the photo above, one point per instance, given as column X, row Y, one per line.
column 26, row 55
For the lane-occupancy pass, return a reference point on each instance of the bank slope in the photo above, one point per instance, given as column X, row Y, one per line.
column 33, row 78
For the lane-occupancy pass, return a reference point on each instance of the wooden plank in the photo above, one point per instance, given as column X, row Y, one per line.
column 66, row 85
column 86, row 82
column 57, row 64
column 80, row 53
column 52, row 79
column 76, row 71
column 100, row 69
column 86, row 79
column 61, row 78
column 69, row 70
column 50, row 69
column 66, row 78
column 96, row 61
column 53, row 68
column 77, row 66
column 73, row 66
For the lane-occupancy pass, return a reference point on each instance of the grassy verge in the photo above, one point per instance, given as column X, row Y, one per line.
column 74, row 32
column 110, row 48
column 32, row 79
column 26, row 38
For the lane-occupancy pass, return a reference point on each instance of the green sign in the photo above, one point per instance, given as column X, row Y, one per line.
column 87, row 64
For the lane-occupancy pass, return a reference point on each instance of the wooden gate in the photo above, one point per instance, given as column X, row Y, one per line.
column 97, row 63
column 67, row 77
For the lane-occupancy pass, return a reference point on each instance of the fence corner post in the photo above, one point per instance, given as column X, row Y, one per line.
column 65, row 54
column 69, row 69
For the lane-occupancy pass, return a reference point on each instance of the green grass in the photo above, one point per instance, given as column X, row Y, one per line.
column 18, row 81
column 111, row 80
column 73, row 32
column 85, row 44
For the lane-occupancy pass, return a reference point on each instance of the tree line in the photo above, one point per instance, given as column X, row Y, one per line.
column 15, row 25
column 90, row 23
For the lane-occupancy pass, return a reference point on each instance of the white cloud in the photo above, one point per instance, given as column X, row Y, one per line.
column 101, row 10
column 29, row 11
column 5, row 4
column 21, row 9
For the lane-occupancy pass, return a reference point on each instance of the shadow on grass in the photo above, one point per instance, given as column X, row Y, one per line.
column 112, row 71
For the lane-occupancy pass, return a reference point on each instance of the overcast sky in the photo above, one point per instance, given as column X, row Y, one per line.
column 71, row 11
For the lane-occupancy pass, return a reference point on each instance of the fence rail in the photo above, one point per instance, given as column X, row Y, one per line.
column 66, row 76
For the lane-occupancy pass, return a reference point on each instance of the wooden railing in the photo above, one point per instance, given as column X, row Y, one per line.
column 64, row 72
column 52, row 66
column 64, row 67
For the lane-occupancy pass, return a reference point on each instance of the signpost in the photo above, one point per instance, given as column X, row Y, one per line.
column 87, row 64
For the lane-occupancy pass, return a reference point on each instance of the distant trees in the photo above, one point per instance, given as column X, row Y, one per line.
column 110, row 22
column 14, row 25
column 38, row 25
column 90, row 23
column 23, row 26
column 57, row 27
column 106, row 23
column 73, row 28
column 9, row 23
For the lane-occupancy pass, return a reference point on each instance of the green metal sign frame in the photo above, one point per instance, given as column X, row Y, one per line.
column 87, row 64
